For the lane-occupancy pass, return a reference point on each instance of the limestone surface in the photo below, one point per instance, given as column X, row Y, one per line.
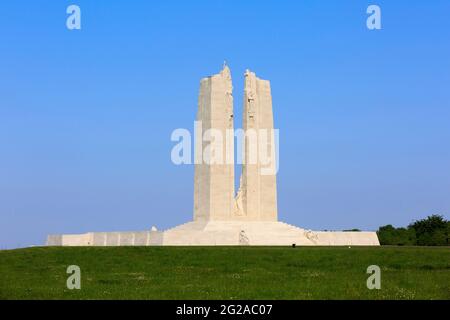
column 214, row 176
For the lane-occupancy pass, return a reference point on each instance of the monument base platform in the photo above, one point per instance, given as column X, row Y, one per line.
column 221, row 233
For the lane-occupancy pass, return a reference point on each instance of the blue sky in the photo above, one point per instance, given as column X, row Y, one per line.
column 86, row 115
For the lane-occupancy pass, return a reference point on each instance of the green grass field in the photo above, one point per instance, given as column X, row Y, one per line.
column 225, row 273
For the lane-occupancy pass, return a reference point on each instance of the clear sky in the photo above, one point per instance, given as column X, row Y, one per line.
column 86, row 115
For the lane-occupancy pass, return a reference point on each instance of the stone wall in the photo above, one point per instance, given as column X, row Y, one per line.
column 138, row 238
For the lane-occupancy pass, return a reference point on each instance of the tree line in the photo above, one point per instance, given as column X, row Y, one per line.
column 431, row 231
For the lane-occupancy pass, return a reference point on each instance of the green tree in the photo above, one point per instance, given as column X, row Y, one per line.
column 431, row 231
column 389, row 235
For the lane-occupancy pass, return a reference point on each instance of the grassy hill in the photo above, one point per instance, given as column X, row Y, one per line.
column 225, row 273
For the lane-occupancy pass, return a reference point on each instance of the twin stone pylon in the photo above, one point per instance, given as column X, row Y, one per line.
column 214, row 193
column 221, row 216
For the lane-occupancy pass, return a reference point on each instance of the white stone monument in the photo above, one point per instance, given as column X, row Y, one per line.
column 221, row 216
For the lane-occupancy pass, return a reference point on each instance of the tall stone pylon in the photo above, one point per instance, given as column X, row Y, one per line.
column 257, row 195
column 214, row 149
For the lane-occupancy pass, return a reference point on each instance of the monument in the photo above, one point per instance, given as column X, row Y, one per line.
column 222, row 216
